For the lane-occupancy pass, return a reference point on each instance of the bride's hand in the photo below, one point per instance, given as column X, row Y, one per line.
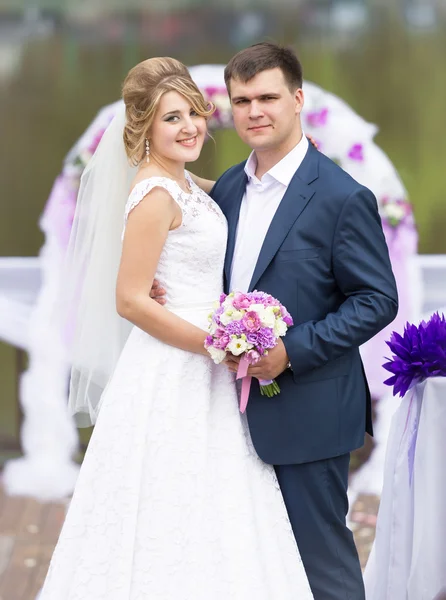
column 312, row 140
column 205, row 184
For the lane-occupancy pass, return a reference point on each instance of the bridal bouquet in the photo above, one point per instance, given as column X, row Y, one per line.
column 247, row 325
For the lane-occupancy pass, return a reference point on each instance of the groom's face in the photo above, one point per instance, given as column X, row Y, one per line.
column 266, row 112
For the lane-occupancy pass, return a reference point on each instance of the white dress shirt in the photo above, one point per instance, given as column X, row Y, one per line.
column 259, row 204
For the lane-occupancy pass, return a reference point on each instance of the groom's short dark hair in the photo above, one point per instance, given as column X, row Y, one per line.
column 248, row 63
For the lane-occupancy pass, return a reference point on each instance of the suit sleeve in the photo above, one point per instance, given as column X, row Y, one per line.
column 363, row 273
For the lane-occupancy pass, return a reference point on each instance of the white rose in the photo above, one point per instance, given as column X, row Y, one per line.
column 280, row 328
column 237, row 315
column 237, row 347
column 226, row 317
column 217, row 355
column 269, row 317
column 259, row 309
column 227, row 302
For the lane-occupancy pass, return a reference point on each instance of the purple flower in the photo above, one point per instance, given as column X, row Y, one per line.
column 222, row 298
column 235, row 328
column 266, row 338
column 317, row 118
column 356, row 152
column 209, row 341
column 252, row 338
column 251, row 321
column 418, row 354
column 222, row 342
column 217, row 314
column 262, row 298
column 287, row 318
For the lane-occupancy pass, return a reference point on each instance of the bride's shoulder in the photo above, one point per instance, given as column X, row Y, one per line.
column 150, row 185
column 146, row 177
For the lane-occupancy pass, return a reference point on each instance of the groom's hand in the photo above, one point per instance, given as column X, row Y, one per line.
column 157, row 292
column 271, row 365
column 268, row 367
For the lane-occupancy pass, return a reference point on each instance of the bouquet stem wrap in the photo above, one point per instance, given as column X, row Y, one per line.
column 246, row 382
column 267, row 388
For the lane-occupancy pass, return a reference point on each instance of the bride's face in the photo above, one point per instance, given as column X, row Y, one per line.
column 177, row 132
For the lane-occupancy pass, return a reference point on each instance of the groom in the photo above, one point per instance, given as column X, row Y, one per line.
column 304, row 231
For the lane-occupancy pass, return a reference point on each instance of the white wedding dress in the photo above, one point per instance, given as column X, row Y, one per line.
column 172, row 502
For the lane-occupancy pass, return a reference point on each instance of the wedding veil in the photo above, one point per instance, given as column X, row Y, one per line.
column 97, row 333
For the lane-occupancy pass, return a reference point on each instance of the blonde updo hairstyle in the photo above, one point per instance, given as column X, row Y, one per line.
column 142, row 90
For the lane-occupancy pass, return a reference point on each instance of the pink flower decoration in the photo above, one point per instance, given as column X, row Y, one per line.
column 241, row 301
column 222, row 342
column 318, row 118
column 251, row 321
column 356, row 152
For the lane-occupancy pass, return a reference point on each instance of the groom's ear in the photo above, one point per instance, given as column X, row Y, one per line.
column 299, row 99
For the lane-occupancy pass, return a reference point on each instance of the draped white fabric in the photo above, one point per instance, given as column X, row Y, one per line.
column 408, row 559
column 48, row 435
column 20, row 280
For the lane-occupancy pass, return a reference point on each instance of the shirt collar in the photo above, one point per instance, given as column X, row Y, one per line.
column 284, row 170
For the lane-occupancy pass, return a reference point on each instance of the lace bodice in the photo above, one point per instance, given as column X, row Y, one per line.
column 190, row 267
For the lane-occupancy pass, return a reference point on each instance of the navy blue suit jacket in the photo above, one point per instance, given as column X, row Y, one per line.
column 325, row 258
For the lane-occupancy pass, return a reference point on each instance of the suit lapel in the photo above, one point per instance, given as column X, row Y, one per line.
column 297, row 196
column 235, row 192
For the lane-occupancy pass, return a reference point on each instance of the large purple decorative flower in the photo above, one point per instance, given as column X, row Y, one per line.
column 418, row 354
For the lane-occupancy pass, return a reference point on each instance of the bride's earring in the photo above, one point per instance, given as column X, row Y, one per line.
column 147, row 151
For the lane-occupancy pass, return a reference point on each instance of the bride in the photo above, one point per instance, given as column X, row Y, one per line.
column 172, row 501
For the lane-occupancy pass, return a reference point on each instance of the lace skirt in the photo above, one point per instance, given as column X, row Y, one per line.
column 172, row 502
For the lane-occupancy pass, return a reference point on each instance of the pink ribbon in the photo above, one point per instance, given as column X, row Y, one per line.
column 246, row 383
